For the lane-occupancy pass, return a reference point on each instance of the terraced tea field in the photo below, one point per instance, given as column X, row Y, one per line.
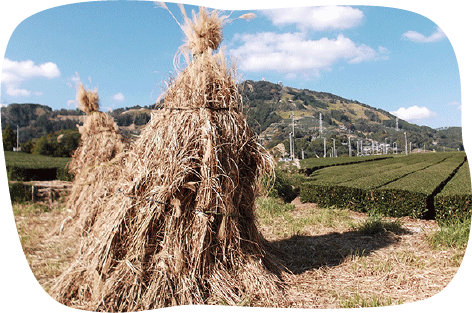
column 396, row 186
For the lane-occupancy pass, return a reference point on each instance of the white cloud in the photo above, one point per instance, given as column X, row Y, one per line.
column 317, row 18
column 292, row 53
column 417, row 37
column 413, row 113
column 119, row 97
column 13, row 91
column 14, row 73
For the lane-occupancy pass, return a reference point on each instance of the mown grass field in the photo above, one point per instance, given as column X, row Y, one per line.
column 338, row 258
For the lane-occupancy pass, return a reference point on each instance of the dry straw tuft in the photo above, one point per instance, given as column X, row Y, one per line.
column 181, row 228
column 95, row 163
column 88, row 100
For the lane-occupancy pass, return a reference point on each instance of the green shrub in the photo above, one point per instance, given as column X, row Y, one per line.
column 25, row 167
column 311, row 165
column 19, row 192
column 397, row 203
column 455, row 200
column 413, row 194
column 63, row 174
column 326, row 196
column 401, row 186
column 281, row 187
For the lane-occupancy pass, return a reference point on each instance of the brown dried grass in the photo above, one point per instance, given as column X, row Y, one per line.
column 95, row 163
column 88, row 100
column 183, row 229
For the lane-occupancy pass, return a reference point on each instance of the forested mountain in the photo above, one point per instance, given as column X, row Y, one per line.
column 268, row 107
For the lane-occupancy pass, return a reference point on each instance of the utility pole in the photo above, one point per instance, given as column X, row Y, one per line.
column 324, row 149
column 334, row 147
column 17, row 138
column 349, row 138
column 293, row 135
column 321, row 124
column 291, row 148
column 406, row 145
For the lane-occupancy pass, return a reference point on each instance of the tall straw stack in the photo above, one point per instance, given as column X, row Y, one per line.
column 95, row 163
column 182, row 228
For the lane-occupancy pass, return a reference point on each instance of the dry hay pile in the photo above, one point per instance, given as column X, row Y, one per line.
column 181, row 228
column 95, row 163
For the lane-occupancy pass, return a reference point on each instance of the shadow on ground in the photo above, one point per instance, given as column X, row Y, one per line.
column 301, row 253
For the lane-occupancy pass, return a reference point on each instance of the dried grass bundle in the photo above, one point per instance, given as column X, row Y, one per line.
column 203, row 31
column 88, row 100
column 182, row 227
column 95, row 163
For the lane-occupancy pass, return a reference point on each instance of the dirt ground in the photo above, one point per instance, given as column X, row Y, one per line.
column 332, row 265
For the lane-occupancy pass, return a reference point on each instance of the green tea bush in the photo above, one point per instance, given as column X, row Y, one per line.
column 326, row 196
column 63, row 174
column 455, row 200
column 19, row 192
column 281, row 187
column 401, row 186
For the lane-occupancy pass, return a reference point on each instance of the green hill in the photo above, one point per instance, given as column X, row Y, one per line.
column 268, row 107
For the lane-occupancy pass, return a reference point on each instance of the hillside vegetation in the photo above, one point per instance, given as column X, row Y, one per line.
column 268, row 108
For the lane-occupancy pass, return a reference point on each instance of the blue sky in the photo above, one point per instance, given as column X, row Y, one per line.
column 386, row 57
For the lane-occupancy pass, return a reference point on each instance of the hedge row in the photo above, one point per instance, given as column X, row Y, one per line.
column 413, row 194
column 17, row 173
column 311, row 165
column 345, row 186
column 26, row 167
column 455, row 200
column 400, row 191
column 369, row 171
column 19, row 192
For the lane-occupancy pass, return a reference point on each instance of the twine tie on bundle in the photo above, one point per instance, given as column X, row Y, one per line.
column 185, row 208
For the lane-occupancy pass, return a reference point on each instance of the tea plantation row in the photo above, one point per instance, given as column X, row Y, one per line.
column 26, row 167
column 432, row 185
